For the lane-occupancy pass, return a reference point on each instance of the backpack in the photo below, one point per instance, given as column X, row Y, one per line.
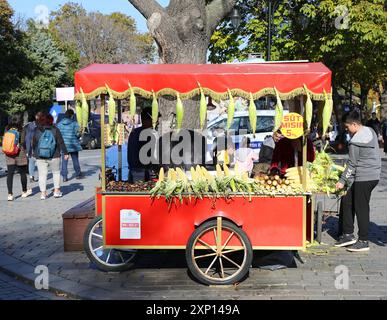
column 11, row 142
column 46, row 145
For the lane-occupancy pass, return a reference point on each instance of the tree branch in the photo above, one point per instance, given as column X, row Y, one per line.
column 217, row 10
column 147, row 7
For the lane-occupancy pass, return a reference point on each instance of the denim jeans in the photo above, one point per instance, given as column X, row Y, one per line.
column 77, row 168
column 32, row 167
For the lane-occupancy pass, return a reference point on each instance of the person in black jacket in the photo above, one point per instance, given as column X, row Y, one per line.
column 45, row 122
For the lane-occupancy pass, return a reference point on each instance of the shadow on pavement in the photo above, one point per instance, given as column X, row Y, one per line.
column 377, row 233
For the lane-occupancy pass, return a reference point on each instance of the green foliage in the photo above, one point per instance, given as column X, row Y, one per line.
column 313, row 30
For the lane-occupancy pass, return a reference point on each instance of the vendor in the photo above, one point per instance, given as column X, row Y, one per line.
column 140, row 163
column 288, row 153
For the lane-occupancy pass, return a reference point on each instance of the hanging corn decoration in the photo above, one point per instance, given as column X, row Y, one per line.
column 155, row 110
column 179, row 112
column 327, row 112
column 308, row 109
column 78, row 112
column 85, row 111
column 279, row 112
column 132, row 102
column 231, row 110
column 203, row 108
column 111, row 107
column 252, row 114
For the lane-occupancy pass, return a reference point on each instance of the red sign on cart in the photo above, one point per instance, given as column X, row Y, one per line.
column 130, row 224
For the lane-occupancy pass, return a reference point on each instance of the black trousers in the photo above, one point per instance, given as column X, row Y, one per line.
column 356, row 202
column 23, row 176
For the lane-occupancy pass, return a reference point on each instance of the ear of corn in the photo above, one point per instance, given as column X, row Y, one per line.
column 155, row 110
column 179, row 112
column 111, row 107
column 226, row 170
column 193, row 174
column 308, row 109
column 161, row 174
column 203, row 109
column 219, row 171
column 279, row 111
column 231, row 110
column 132, row 102
column 78, row 112
column 252, row 114
column 85, row 110
column 327, row 112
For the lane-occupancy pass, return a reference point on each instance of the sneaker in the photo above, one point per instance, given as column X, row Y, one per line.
column 27, row 193
column 359, row 246
column 65, row 179
column 345, row 240
column 32, row 179
column 10, row 197
column 58, row 195
column 79, row 176
column 43, row 197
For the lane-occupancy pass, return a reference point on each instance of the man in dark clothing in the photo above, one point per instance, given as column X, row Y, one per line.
column 374, row 123
column 361, row 175
column 140, row 161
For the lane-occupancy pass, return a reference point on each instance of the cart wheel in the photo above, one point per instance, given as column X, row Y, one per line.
column 319, row 217
column 223, row 262
column 112, row 260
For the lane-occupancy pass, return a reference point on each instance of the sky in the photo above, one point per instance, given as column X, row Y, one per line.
column 39, row 9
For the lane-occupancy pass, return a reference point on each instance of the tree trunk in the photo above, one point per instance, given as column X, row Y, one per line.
column 182, row 32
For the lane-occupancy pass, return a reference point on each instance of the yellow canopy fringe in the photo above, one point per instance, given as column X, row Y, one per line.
column 217, row 96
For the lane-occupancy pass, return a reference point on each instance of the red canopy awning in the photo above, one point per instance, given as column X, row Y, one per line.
column 215, row 79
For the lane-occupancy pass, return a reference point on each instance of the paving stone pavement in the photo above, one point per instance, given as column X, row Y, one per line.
column 31, row 235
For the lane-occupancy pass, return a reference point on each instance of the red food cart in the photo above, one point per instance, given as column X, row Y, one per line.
column 219, row 239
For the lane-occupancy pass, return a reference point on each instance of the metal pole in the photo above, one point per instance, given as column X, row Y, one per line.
column 103, row 160
column 119, row 146
column 269, row 33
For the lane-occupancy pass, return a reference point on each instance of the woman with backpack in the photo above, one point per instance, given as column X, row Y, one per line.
column 47, row 146
column 15, row 154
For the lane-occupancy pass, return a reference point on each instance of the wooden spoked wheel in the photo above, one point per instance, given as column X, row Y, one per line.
column 219, row 252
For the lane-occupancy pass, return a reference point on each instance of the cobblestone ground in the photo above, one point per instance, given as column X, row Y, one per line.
column 31, row 235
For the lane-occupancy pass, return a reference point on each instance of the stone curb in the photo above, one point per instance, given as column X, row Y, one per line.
column 25, row 272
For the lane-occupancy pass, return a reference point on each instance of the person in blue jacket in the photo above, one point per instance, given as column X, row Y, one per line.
column 69, row 129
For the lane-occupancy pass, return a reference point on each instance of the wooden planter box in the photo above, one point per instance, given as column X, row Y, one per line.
column 75, row 222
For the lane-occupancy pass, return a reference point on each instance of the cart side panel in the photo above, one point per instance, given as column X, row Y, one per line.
column 269, row 222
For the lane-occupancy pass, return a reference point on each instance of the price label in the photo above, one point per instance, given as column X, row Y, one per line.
column 292, row 125
column 130, row 224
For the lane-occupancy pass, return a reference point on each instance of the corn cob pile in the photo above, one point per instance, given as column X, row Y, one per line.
column 277, row 185
column 325, row 174
column 222, row 184
column 295, row 176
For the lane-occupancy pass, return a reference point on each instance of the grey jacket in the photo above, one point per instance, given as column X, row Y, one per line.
column 364, row 163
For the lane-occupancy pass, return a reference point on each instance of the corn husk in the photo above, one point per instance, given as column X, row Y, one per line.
column 327, row 113
column 279, row 112
column 85, row 111
column 111, row 107
column 308, row 109
column 252, row 114
column 179, row 112
column 155, row 110
column 132, row 102
column 203, row 109
column 231, row 110
column 78, row 113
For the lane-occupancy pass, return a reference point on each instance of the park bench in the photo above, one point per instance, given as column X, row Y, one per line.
column 75, row 222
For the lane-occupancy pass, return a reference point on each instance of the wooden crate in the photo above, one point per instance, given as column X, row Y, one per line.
column 75, row 222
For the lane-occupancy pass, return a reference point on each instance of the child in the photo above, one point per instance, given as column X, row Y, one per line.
column 245, row 156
